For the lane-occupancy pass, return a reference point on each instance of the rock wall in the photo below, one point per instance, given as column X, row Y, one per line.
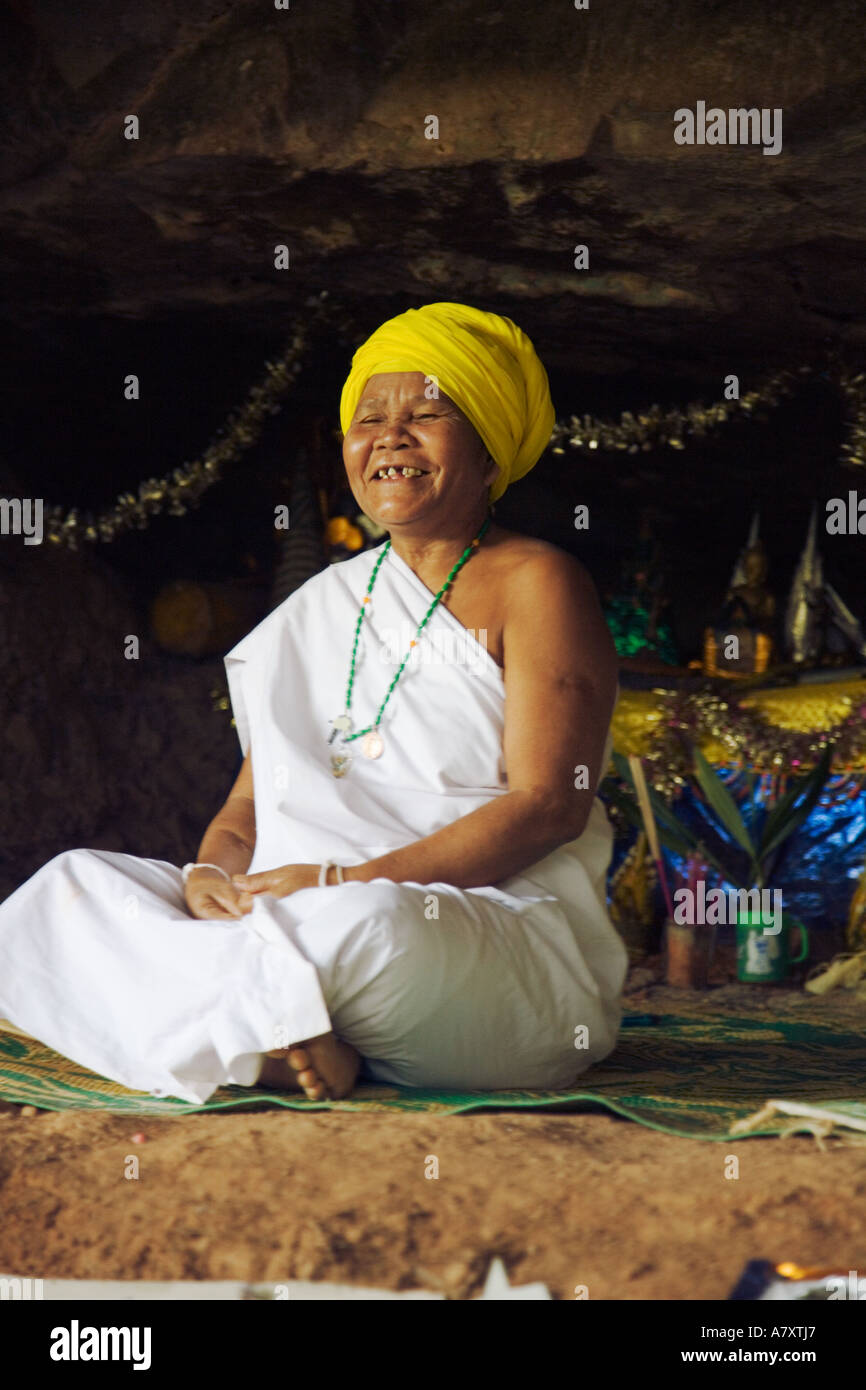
column 98, row 751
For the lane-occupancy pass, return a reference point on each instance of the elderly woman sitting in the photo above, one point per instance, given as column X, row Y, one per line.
column 407, row 877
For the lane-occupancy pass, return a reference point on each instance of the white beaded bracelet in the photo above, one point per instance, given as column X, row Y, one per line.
column 323, row 872
column 188, row 868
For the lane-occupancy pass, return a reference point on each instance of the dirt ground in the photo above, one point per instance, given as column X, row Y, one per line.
column 572, row 1200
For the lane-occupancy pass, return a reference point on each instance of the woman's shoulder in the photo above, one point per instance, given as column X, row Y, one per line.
column 529, row 560
column 550, row 604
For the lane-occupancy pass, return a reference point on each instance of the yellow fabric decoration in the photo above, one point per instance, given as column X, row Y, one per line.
column 807, row 707
column 798, row 709
column 484, row 362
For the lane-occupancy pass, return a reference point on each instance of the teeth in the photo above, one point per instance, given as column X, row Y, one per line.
column 397, row 472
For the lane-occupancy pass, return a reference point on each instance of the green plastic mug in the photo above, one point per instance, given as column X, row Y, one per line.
column 764, row 956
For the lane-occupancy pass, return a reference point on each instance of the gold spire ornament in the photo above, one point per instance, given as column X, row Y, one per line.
column 806, row 602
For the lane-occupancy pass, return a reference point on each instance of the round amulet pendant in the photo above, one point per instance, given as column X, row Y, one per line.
column 373, row 744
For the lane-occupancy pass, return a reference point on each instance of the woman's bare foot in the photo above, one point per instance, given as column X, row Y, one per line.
column 324, row 1068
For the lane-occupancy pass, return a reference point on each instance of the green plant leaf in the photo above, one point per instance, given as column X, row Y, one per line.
column 779, row 813
column 724, row 870
column 794, row 816
column 723, row 803
column 673, row 835
column 662, row 812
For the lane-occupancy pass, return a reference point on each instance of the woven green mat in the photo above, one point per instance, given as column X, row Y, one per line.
column 685, row 1076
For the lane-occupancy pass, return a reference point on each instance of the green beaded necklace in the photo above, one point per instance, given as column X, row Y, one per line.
column 373, row 745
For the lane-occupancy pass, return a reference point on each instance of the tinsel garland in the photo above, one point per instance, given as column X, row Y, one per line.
column 651, row 428
column 748, row 741
column 181, row 489
column 853, row 388
column 656, row 427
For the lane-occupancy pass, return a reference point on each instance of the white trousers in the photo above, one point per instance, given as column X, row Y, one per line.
column 435, row 987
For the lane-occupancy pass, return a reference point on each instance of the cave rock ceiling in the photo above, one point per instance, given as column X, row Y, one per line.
column 307, row 127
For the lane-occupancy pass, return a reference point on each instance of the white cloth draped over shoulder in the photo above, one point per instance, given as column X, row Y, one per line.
column 513, row 985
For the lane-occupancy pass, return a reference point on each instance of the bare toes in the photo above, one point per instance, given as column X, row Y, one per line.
column 313, row 1085
column 307, row 1076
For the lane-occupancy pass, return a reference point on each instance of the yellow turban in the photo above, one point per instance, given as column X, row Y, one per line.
column 482, row 361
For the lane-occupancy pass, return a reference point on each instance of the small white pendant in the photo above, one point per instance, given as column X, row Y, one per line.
column 343, row 722
column 373, row 745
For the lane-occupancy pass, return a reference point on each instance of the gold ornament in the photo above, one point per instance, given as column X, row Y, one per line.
column 775, row 733
column 655, row 427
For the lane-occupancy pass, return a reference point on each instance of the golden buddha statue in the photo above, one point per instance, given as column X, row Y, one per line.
column 740, row 641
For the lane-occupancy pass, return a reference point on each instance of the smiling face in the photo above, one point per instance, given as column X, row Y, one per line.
column 409, row 459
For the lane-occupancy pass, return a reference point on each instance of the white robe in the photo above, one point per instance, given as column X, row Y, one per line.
column 515, row 985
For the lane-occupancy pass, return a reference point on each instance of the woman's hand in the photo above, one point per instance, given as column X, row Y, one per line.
column 209, row 895
column 279, row 882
